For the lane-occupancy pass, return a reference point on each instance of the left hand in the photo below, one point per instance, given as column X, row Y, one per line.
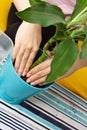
column 38, row 75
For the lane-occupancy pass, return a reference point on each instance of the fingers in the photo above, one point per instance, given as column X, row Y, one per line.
column 29, row 62
column 24, row 60
column 39, row 77
column 15, row 51
column 21, row 60
column 39, row 81
column 39, row 73
column 40, row 67
column 42, row 84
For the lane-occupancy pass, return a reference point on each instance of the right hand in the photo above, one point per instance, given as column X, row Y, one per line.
column 27, row 42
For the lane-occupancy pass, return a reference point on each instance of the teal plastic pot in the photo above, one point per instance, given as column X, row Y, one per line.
column 14, row 89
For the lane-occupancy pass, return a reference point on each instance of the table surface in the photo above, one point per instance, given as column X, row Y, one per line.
column 54, row 109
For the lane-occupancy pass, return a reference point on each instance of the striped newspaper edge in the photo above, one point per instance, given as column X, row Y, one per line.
column 29, row 118
column 56, row 107
column 71, row 95
column 61, row 104
column 9, row 122
column 35, row 105
column 43, row 124
column 60, row 101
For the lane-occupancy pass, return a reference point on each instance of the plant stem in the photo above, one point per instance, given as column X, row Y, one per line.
column 39, row 60
column 49, row 43
column 44, row 55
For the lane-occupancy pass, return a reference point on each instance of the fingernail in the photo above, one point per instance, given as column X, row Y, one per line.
column 28, row 80
column 16, row 69
column 24, row 73
column 33, row 84
column 19, row 73
column 29, row 74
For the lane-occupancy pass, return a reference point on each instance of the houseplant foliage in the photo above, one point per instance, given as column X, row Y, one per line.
column 67, row 34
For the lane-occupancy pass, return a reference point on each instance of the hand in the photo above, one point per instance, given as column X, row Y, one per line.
column 27, row 42
column 38, row 75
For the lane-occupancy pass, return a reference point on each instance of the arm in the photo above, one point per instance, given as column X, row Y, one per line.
column 21, row 4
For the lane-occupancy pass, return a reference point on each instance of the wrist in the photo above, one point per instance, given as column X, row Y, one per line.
column 31, row 24
column 21, row 4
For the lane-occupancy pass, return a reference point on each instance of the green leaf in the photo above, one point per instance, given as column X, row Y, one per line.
column 83, row 54
column 79, row 33
column 79, row 14
column 32, row 2
column 85, row 29
column 64, row 58
column 61, row 32
column 43, row 13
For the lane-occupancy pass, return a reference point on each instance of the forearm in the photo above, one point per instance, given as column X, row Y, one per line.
column 21, row 4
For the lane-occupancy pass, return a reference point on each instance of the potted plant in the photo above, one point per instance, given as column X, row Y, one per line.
column 14, row 89
column 68, row 33
column 65, row 50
